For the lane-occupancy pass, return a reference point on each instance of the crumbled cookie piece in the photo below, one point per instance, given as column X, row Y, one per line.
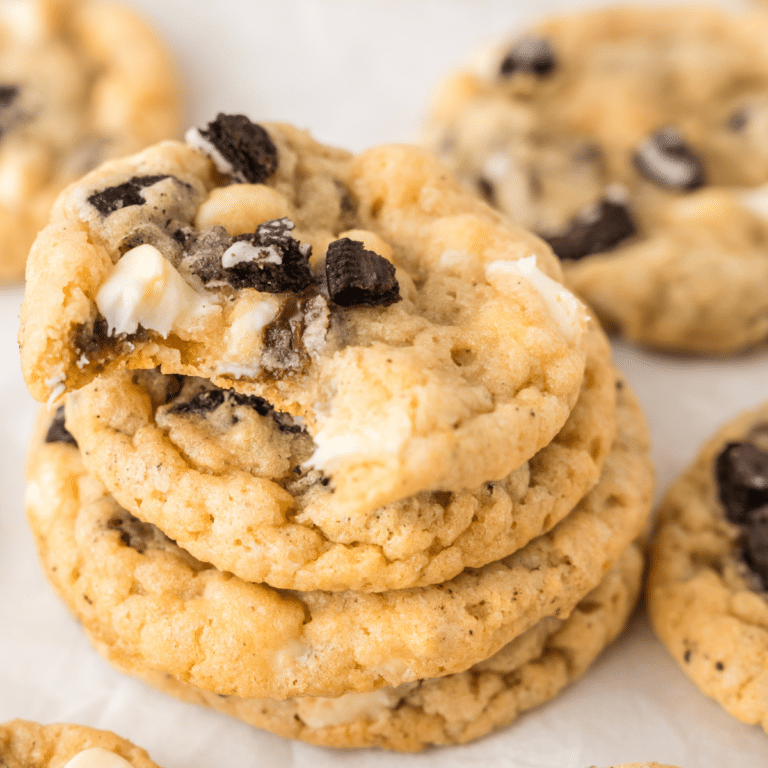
column 598, row 228
column 128, row 193
column 239, row 148
column 359, row 277
column 57, row 432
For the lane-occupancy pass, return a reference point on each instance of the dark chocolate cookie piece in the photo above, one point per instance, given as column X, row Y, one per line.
column 359, row 277
column 668, row 161
column 741, row 470
column 531, row 54
column 57, row 432
column 599, row 228
column 123, row 195
column 245, row 145
column 268, row 259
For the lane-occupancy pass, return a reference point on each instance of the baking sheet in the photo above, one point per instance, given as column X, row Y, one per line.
column 358, row 73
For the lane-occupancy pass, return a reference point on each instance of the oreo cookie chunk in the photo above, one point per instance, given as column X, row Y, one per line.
column 531, row 54
column 359, row 277
column 268, row 259
column 708, row 588
column 595, row 229
column 112, row 199
column 667, row 160
column 239, row 148
column 741, row 470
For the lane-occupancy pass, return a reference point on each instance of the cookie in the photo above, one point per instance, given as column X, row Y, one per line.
column 460, row 349
column 133, row 589
column 627, row 137
column 82, row 81
column 224, row 475
column 458, row 708
column 708, row 584
column 24, row 744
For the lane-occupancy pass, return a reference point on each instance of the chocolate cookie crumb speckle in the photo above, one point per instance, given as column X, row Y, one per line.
column 246, row 146
column 359, row 277
column 600, row 228
column 123, row 195
column 668, row 161
column 531, row 54
column 57, row 432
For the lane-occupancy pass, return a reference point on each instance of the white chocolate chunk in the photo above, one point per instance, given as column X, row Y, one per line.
column 243, row 251
column 194, row 138
column 336, row 440
column 323, row 712
column 145, row 289
column 563, row 307
column 25, row 20
column 97, row 757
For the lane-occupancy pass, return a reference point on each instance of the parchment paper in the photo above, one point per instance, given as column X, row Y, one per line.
column 359, row 73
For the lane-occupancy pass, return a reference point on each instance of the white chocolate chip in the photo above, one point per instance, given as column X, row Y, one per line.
column 244, row 251
column 563, row 307
column 194, row 138
column 324, row 712
column 25, row 20
column 145, row 289
column 97, row 757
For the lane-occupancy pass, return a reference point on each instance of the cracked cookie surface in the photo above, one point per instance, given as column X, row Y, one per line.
column 629, row 138
column 458, row 708
column 459, row 357
column 133, row 588
column 82, row 81
column 25, row 744
column 225, row 477
column 707, row 596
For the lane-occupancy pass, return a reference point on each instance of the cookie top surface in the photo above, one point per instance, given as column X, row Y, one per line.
column 401, row 318
column 708, row 585
column 224, row 475
column 72, row 96
column 630, row 112
column 115, row 572
column 24, row 744
column 530, row 670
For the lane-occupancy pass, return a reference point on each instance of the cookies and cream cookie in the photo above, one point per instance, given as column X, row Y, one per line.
column 708, row 584
column 527, row 672
column 425, row 343
column 225, row 476
column 157, row 608
column 628, row 138
column 80, row 81
column 24, row 744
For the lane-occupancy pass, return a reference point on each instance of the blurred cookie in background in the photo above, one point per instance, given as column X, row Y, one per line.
column 80, row 82
column 631, row 140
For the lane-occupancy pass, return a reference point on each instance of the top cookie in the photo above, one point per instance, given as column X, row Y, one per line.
column 81, row 81
column 423, row 341
column 619, row 135
column 24, row 744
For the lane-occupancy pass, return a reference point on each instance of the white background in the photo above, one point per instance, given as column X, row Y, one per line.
column 359, row 73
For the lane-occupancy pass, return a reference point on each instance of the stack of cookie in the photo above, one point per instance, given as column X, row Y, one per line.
column 339, row 455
